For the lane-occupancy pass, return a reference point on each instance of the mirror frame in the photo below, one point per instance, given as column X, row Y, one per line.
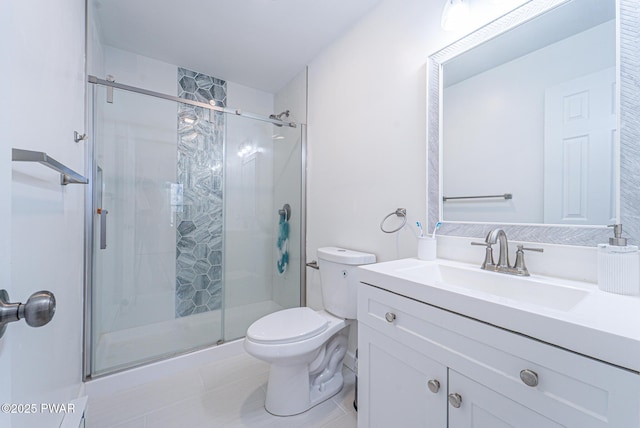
column 628, row 87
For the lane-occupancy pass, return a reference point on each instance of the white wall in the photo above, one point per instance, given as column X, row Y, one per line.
column 367, row 130
column 367, row 127
column 494, row 113
column 6, row 33
column 140, row 71
column 42, row 68
column 367, row 134
column 293, row 97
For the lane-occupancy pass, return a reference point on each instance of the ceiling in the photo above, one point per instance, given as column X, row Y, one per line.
column 258, row 43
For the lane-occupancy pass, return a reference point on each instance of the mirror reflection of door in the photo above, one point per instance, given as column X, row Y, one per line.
column 579, row 150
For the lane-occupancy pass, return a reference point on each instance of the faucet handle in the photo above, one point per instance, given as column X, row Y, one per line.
column 488, row 256
column 522, row 247
column 519, row 266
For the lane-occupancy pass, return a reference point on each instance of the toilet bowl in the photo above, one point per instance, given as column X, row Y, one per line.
column 305, row 347
column 299, row 358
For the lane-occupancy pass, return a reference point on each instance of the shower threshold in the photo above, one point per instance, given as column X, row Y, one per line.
column 132, row 347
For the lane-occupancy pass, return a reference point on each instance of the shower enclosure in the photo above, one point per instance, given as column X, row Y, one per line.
column 188, row 238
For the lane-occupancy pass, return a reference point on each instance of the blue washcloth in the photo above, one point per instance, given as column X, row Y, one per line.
column 283, row 245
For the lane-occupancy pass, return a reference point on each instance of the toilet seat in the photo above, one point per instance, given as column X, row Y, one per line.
column 287, row 326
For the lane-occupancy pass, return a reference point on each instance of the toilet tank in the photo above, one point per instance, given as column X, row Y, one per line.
column 339, row 279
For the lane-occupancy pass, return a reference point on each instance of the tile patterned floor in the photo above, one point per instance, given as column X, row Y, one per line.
column 228, row 393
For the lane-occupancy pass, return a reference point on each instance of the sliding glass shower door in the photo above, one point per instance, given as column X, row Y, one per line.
column 138, row 241
column 190, row 239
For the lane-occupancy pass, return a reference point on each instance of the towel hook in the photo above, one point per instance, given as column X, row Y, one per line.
column 285, row 211
column 400, row 212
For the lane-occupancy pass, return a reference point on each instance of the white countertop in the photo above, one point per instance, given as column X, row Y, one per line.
column 602, row 325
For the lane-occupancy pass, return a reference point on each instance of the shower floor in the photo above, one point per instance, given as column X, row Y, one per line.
column 126, row 348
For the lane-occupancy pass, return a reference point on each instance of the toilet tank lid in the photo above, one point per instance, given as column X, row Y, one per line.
column 344, row 256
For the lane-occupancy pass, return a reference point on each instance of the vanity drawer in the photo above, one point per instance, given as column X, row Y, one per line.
column 574, row 390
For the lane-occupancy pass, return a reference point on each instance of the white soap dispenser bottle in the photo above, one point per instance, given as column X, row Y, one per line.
column 618, row 265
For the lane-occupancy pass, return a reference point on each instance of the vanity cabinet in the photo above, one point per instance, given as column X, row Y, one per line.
column 484, row 407
column 501, row 378
column 402, row 387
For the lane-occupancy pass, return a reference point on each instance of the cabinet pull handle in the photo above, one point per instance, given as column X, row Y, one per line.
column 434, row 386
column 390, row 316
column 529, row 377
column 455, row 400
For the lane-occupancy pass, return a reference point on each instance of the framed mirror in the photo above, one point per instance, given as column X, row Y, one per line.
column 533, row 122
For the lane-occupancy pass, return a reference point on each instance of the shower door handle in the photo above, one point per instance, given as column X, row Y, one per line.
column 103, row 227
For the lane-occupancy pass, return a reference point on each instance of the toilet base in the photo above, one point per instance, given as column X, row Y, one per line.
column 295, row 396
column 303, row 373
column 328, row 390
column 296, row 388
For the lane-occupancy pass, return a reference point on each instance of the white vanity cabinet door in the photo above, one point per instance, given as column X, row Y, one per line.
column 393, row 385
column 481, row 407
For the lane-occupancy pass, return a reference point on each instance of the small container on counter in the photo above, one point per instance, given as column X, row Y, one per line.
column 619, row 265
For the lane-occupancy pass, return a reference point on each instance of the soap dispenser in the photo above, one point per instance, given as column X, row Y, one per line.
column 618, row 265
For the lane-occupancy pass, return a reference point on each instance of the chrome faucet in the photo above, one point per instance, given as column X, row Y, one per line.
column 503, row 266
column 492, row 238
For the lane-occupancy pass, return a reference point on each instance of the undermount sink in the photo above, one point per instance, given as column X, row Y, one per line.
column 522, row 289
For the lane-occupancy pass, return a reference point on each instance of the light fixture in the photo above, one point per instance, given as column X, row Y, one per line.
column 455, row 15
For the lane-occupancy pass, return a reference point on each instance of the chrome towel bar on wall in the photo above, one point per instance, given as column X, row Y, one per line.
column 67, row 175
column 503, row 196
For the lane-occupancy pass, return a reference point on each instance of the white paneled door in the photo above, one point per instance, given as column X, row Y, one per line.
column 579, row 150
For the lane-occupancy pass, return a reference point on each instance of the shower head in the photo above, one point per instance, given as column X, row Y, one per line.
column 279, row 116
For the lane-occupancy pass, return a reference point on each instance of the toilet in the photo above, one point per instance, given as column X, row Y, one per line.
column 305, row 347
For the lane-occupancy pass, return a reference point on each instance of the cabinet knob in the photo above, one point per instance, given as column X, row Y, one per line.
column 390, row 316
column 434, row 385
column 455, row 400
column 529, row 377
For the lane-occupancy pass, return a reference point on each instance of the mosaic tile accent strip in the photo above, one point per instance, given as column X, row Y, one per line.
column 199, row 221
